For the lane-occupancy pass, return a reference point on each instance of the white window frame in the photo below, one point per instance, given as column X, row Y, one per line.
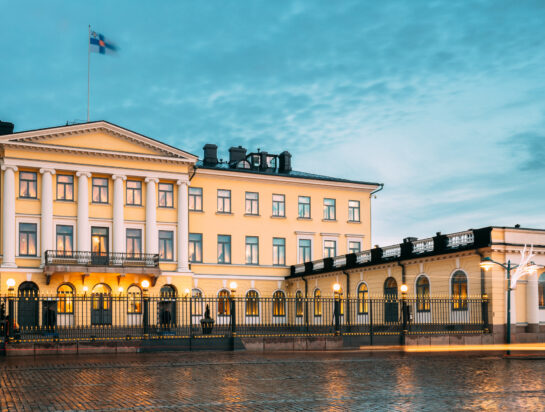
column 330, row 236
column 173, row 229
column 29, row 219
column 307, row 236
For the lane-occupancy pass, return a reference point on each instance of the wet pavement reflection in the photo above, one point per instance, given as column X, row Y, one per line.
column 273, row 381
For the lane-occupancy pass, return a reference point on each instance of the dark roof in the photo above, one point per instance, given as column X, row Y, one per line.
column 293, row 173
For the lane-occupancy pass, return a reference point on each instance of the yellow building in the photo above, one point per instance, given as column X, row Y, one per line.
column 94, row 208
column 446, row 268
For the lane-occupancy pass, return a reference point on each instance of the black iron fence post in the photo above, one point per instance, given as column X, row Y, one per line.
column 484, row 306
column 146, row 315
column 232, row 304
column 371, row 322
column 405, row 318
column 337, row 315
column 11, row 318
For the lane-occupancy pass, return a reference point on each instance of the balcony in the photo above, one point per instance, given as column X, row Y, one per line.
column 90, row 262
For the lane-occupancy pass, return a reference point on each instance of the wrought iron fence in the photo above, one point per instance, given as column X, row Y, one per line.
column 32, row 317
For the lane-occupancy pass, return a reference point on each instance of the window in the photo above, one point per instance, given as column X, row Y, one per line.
column 330, row 248
column 65, row 187
column 298, row 304
column 353, row 210
column 279, row 205
column 28, row 239
column 198, row 302
column 541, row 288
column 100, row 190
column 65, row 299
column 305, row 250
column 252, row 203
column 459, row 291
column 363, row 303
column 28, row 185
column 317, row 302
column 166, row 245
column 134, row 299
column 329, row 209
column 354, row 247
column 65, row 240
column 224, row 307
column 195, row 247
column 279, row 251
column 224, row 248
column 195, row 199
column 252, row 250
column 134, row 193
column 304, row 207
column 422, row 294
column 252, row 303
column 134, row 242
column 279, row 303
column 224, row 201
column 166, row 195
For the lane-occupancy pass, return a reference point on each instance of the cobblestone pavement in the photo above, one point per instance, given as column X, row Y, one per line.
column 274, row 381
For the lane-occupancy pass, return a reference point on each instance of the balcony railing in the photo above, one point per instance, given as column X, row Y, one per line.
column 86, row 258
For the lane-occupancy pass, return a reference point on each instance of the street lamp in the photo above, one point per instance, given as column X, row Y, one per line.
column 404, row 288
column 523, row 268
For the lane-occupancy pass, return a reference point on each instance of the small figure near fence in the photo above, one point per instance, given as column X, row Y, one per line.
column 207, row 322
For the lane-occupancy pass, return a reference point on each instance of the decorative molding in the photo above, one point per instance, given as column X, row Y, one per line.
column 12, row 167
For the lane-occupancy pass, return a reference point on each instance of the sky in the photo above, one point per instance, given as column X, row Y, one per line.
column 442, row 101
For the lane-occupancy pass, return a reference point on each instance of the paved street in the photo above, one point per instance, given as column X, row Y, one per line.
column 275, row 381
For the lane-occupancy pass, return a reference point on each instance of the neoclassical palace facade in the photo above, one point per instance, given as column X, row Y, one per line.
column 96, row 208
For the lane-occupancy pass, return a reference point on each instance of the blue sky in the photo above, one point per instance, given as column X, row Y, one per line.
column 444, row 102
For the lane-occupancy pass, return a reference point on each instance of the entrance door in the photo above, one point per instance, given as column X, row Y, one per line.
column 167, row 307
column 27, row 307
column 101, row 305
column 99, row 245
column 391, row 311
column 49, row 314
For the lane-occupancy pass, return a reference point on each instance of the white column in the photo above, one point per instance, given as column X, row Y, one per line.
column 83, row 230
column 183, row 227
column 532, row 302
column 46, row 227
column 8, row 217
column 118, row 217
column 152, row 242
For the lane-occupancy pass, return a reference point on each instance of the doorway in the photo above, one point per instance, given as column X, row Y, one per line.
column 391, row 304
column 101, row 305
column 28, row 305
column 99, row 245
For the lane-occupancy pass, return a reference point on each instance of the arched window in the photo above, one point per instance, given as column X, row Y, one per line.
column 279, row 303
column 363, row 303
column 65, row 299
column 459, row 291
column 423, row 294
column 167, row 292
column 541, row 288
column 100, row 296
column 317, row 302
column 390, row 288
column 134, row 296
column 252, row 303
column 298, row 303
column 224, row 308
column 198, row 303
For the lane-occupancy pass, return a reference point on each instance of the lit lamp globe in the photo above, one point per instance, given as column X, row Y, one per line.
column 186, row 291
column 233, row 286
column 85, row 289
column 10, row 283
column 120, row 289
column 336, row 288
column 404, row 288
column 145, row 284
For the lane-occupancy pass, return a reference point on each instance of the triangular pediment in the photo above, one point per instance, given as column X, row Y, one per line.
column 100, row 136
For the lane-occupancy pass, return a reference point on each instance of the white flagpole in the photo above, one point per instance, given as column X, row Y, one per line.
column 88, row 71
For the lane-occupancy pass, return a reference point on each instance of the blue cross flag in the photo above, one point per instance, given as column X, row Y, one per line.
column 99, row 44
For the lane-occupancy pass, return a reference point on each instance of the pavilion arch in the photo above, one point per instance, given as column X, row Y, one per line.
column 251, row 302
column 459, row 290
column 422, row 289
column 279, row 303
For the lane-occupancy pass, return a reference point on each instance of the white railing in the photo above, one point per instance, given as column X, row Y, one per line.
column 318, row 265
column 391, row 251
column 363, row 257
column 422, row 246
column 460, row 239
column 339, row 261
column 299, row 268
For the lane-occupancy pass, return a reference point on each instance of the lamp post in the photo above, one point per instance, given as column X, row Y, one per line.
column 524, row 268
column 232, row 307
column 404, row 311
column 11, row 305
column 145, row 287
column 337, row 308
